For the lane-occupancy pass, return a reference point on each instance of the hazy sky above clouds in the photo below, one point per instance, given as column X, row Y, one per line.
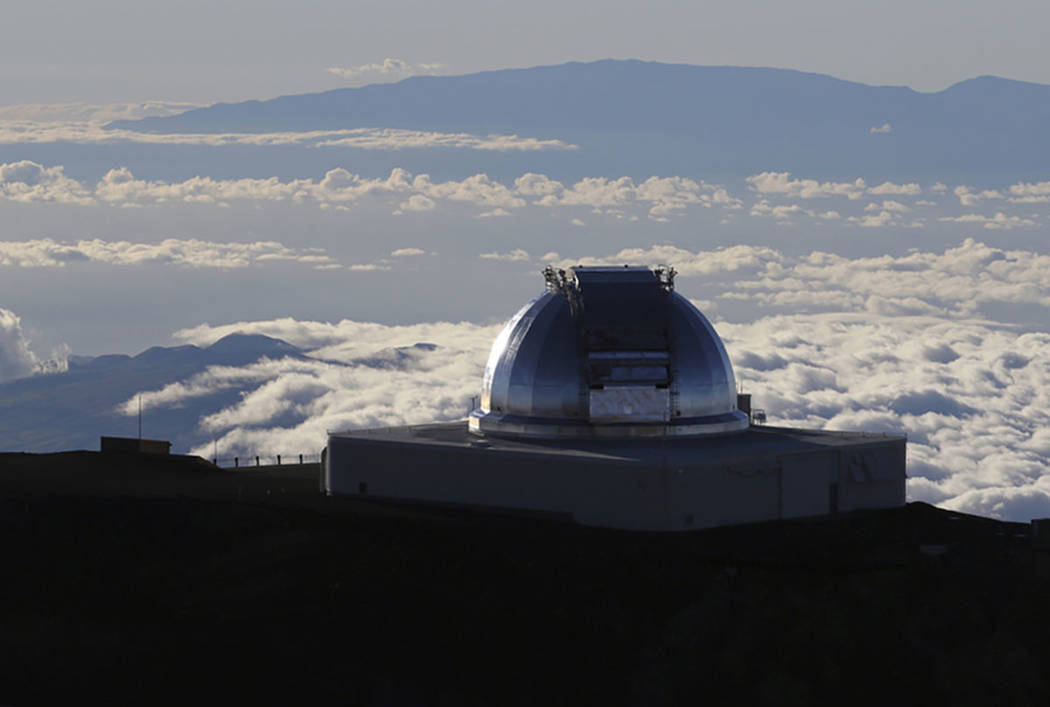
column 111, row 50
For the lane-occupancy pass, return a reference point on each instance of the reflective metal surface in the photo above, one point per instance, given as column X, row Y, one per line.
column 608, row 352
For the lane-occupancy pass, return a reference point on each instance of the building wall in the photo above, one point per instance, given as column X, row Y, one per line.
column 871, row 477
column 133, row 444
column 621, row 494
column 727, row 495
column 485, row 478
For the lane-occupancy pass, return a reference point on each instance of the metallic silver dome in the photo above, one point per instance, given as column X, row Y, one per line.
column 608, row 352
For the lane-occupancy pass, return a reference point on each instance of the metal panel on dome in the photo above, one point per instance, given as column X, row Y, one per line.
column 630, row 404
column 628, row 367
column 621, row 309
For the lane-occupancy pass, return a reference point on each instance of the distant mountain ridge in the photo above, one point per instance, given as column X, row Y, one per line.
column 71, row 410
column 674, row 116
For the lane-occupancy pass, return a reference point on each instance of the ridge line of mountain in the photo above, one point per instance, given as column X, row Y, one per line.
column 490, row 79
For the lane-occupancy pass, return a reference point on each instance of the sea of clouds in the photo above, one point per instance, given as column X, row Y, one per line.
column 947, row 344
column 893, row 344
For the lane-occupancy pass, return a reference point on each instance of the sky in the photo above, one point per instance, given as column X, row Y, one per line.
column 134, row 50
column 863, row 299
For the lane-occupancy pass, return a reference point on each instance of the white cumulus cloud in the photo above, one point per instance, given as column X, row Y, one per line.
column 781, row 183
column 515, row 255
column 388, row 68
column 1028, row 192
column 998, row 222
column 969, row 197
column 891, row 189
column 16, row 358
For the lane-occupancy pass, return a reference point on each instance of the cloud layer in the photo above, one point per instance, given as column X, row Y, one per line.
column 786, row 199
column 90, row 112
column 45, row 252
column 887, row 346
column 775, row 196
column 362, row 375
column 958, row 282
column 28, row 132
column 972, row 397
column 659, row 197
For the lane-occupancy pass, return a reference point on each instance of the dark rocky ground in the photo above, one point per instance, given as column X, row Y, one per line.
column 132, row 580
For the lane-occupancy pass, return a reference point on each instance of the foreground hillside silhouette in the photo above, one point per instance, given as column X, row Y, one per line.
column 166, row 580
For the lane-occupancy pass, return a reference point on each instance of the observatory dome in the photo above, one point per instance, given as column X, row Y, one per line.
column 608, row 352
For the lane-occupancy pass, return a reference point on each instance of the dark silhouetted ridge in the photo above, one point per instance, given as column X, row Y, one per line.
column 170, row 582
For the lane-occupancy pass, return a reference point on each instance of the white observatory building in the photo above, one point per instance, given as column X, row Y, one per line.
column 609, row 400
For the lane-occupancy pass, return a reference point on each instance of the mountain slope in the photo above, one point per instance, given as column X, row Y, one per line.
column 71, row 410
column 604, row 95
column 673, row 116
